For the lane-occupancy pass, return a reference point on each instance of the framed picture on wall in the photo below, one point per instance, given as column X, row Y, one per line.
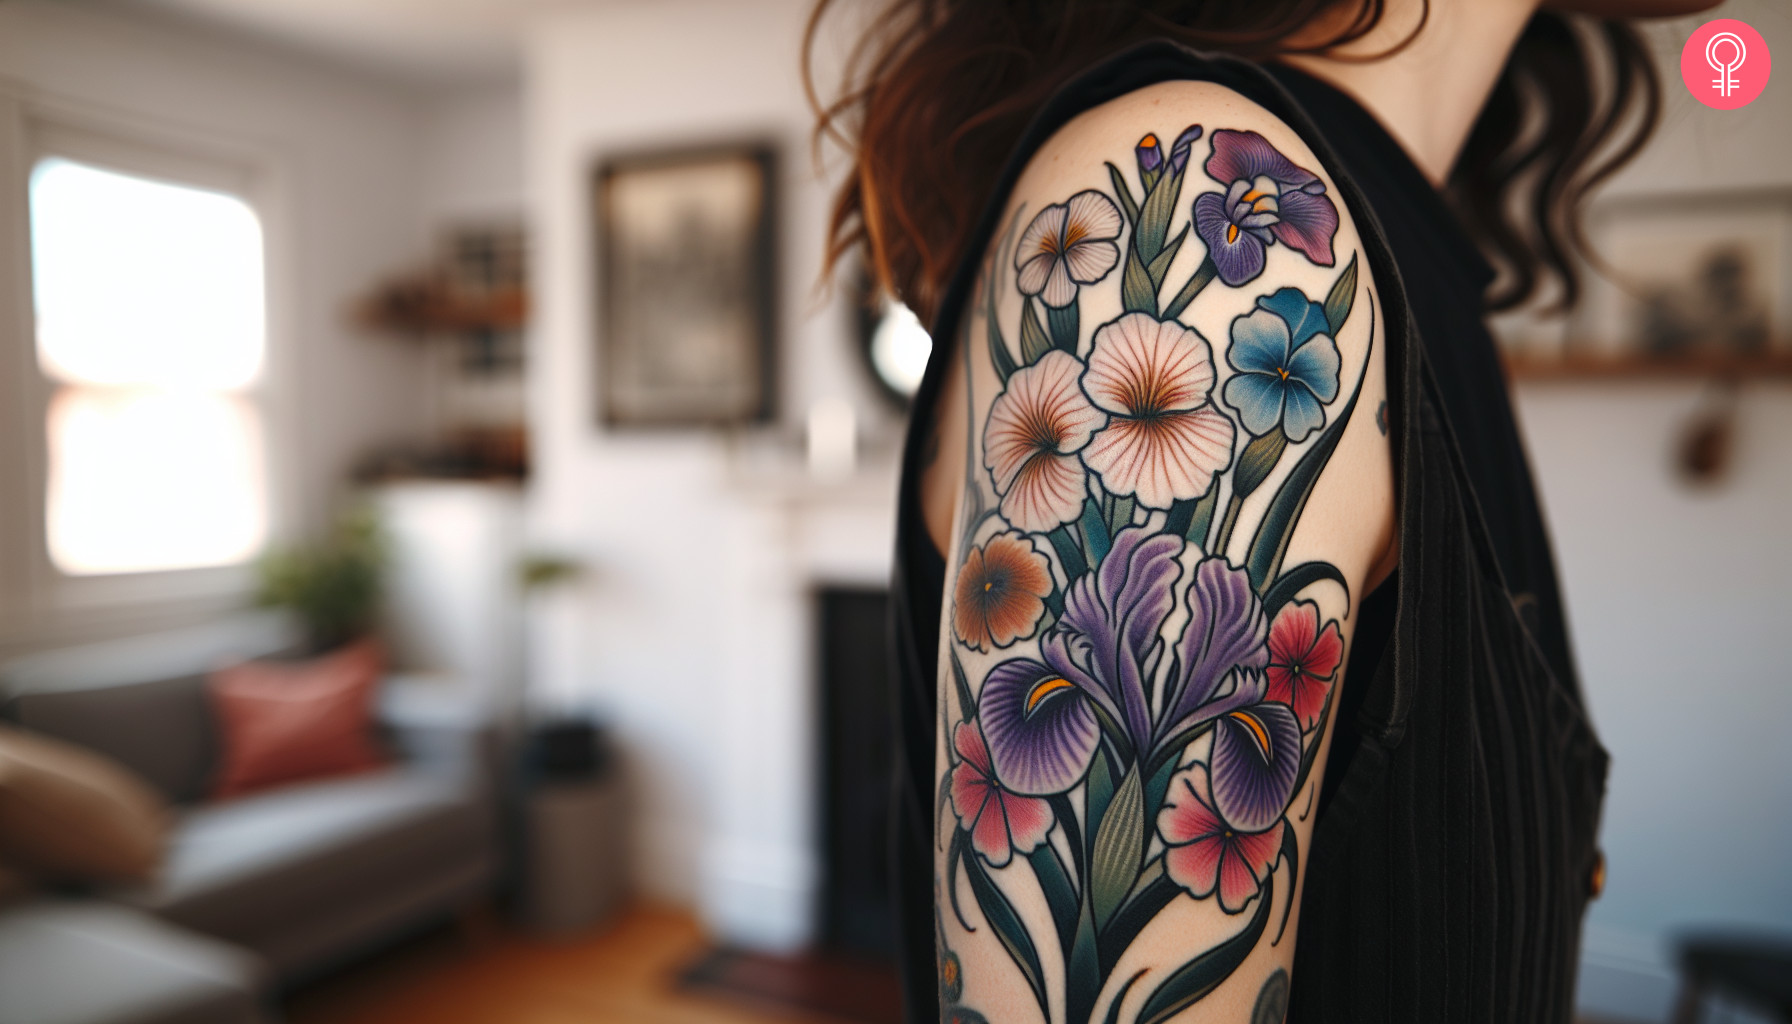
column 1689, row 283
column 687, row 280
column 1700, row 275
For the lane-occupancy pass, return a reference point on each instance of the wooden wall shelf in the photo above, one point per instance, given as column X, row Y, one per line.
column 1777, row 365
column 430, row 310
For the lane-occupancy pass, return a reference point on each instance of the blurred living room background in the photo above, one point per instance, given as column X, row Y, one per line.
column 465, row 360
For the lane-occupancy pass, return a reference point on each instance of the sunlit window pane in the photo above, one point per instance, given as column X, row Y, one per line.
column 139, row 282
column 150, row 313
column 143, row 480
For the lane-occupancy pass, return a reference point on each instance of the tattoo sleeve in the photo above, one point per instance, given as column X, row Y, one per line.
column 1138, row 676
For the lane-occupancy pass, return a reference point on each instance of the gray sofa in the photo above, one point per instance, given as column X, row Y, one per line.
column 257, row 892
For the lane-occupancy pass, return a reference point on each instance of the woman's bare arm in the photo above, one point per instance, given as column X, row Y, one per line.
column 1163, row 480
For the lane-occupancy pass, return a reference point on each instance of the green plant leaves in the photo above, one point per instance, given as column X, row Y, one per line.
column 1136, row 293
column 1082, row 969
column 1159, row 782
column 1148, row 257
column 1128, row 205
column 1008, row 928
column 1034, row 342
column 1203, row 275
column 1306, row 758
column 1257, row 460
column 1119, row 846
column 1095, row 533
column 1182, row 513
column 1055, row 885
column 998, row 349
column 333, row 586
column 1069, row 555
column 1299, row 578
column 992, row 281
column 1160, row 264
column 1062, row 324
column 967, row 705
column 1194, row 980
column 1202, row 518
column 1113, row 1016
column 1121, row 516
column 1148, row 899
column 1154, row 218
column 955, row 856
column 1100, row 791
column 1290, row 856
column 1342, row 296
column 1271, row 542
column 1190, row 518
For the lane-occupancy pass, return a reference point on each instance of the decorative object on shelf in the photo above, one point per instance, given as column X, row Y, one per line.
column 332, row 586
column 687, row 277
column 471, row 305
column 539, row 570
column 476, row 293
column 1708, row 437
column 495, row 452
column 1691, row 285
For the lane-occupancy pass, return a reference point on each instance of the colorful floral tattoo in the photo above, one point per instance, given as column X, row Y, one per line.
column 1144, row 710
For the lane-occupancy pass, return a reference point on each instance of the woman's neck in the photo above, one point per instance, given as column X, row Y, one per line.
column 1428, row 94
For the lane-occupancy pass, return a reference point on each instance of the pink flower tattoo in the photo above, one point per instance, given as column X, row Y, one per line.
column 999, row 822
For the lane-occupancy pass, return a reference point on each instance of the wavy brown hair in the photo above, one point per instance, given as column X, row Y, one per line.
column 936, row 93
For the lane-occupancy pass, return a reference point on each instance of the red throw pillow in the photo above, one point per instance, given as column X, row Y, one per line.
column 283, row 722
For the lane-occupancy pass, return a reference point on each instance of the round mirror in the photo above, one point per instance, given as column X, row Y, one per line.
column 895, row 344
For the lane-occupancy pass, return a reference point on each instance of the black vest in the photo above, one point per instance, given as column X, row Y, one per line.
column 1454, row 847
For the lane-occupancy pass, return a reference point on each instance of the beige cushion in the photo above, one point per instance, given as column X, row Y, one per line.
column 70, row 814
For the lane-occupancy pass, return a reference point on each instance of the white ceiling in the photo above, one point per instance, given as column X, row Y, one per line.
column 424, row 42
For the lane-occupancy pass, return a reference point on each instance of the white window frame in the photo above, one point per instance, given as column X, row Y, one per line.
column 33, row 128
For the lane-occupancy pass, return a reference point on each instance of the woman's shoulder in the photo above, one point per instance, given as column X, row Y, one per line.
column 1189, row 206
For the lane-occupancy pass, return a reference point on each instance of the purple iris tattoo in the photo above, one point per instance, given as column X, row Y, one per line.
column 1044, row 720
column 1267, row 199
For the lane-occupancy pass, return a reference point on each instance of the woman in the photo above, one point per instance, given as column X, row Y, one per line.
column 1212, row 404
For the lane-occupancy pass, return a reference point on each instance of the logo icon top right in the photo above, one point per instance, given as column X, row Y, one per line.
column 1725, row 64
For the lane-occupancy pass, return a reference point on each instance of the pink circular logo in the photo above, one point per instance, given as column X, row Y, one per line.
column 1725, row 64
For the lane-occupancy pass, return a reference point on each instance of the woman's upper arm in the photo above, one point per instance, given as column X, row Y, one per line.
column 1173, row 480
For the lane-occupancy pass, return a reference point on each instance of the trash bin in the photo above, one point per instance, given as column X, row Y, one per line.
column 574, row 829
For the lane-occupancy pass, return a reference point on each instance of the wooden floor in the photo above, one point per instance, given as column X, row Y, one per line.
column 489, row 974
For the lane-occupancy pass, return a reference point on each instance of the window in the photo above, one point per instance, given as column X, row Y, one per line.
column 151, row 332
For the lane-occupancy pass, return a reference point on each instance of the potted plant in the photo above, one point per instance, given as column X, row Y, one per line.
column 332, row 586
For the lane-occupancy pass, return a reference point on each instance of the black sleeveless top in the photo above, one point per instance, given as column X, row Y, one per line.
column 1453, row 848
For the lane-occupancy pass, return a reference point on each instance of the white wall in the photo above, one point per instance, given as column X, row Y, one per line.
column 471, row 163
column 339, row 159
column 1678, row 598
column 693, row 635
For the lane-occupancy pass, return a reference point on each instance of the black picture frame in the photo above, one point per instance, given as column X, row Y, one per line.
column 687, row 286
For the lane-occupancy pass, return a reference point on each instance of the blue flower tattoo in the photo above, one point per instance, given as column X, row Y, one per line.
column 1287, row 366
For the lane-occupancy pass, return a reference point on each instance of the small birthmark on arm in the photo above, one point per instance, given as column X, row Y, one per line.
column 930, row 450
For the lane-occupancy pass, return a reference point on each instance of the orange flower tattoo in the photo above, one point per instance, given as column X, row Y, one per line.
column 1001, row 592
